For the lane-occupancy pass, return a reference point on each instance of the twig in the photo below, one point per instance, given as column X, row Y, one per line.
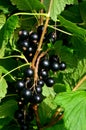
column 79, row 83
column 41, row 17
column 35, row 108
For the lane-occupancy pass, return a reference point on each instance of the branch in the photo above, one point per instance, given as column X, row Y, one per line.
column 42, row 36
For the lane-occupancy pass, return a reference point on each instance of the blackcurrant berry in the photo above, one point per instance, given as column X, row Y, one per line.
column 24, row 127
column 50, row 81
column 37, row 98
column 54, row 66
column 54, row 58
column 24, row 45
column 26, row 94
column 62, row 66
column 19, row 85
column 19, row 114
column 38, row 89
column 45, row 64
column 29, row 72
column 29, row 117
column 23, row 34
column 40, row 82
column 40, row 29
column 51, row 37
column 33, row 38
column 44, row 74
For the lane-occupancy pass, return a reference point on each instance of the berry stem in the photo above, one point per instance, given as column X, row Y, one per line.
column 41, row 17
column 79, row 83
column 35, row 108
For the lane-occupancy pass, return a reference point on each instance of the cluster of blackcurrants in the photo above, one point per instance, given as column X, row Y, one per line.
column 30, row 94
column 28, row 42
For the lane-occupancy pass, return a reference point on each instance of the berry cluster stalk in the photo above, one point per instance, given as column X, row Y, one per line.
column 33, row 65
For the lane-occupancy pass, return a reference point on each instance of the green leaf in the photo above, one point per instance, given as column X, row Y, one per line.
column 7, row 108
column 27, row 4
column 72, row 13
column 11, row 127
column 73, row 28
column 6, row 32
column 59, row 87
column 46, row 110
column 58, row 126
column 2, row 20
column 7, row 65
column 3, row 88
column 74, row 104
column 82, row 7
column 48, row 92
column 4, row 121
column 5, row 6
column 58, row 6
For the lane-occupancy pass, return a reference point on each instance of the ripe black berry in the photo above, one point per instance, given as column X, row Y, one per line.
column 54, row 66
column 29, row 117
column 44, row 74
column 54, row 58
column 24, row 45
column 51, row 37
column 24, row 127
column 50, row 82
column 26, row 94
column 29, row 72
column 19, row 115
column 19, row 85
column 37, row 98
column 38, row 89
column 33, row 38
column 45, row 64
column 62, row 66
column 40, row 29
column 40, row 82
column 23, row 34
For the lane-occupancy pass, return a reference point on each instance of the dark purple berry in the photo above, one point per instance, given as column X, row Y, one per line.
column 24, row 127
column 29, row 72
column 19, row 85
column 37, row 98
column 50, row 81
column 51, row 37
column 41, row 82
column 19, row 114
column 40, row 29
column 26, row 94
column 45, row 64
column 54, row 66
column 29, row 117
column 54, row 58
column 24, row 45
column 23, row 34
column 62, row 66
column 44, row 74
column 33, row 38
column 38, row 89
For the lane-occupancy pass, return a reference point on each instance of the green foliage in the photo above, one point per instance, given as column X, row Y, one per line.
column 3, row 88
column 70, row 46
column 27, row 4
column 58, row 7
column 75, row 109
column 6, row 32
